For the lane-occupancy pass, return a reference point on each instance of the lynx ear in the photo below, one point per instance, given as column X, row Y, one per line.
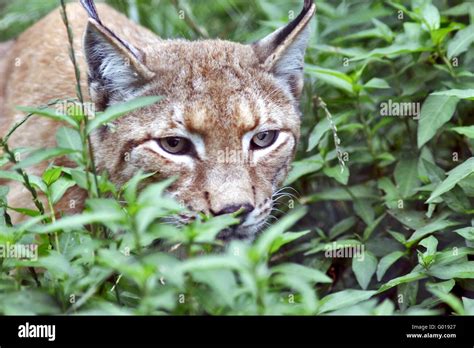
column 117, row 70
column 282, row 52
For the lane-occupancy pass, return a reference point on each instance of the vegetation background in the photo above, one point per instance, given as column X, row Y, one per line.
column 405, row 193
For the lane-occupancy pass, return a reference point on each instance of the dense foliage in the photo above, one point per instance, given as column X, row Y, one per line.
column 394, row 183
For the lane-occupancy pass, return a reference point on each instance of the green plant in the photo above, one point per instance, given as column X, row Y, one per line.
column 385, row 168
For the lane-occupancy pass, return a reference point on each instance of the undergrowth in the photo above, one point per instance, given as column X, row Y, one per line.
column 394, row 189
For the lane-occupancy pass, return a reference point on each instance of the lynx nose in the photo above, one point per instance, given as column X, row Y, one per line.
column 247, row 208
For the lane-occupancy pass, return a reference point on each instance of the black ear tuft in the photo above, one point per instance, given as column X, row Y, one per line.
column 117, row 70
column 89, row 6
column 91, row 10
column 282, row 52
column 290, row 27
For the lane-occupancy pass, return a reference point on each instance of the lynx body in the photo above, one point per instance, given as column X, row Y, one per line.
column 228, row 124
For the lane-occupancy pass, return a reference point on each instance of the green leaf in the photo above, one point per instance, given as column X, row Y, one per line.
column 454, row 176
column 407, row 278
column 59, row 188
column 466, row 232
column 383, row 29
column 81, row 177
column 468, row 305
column 431, row 172
column 341, row 175
column 387, row 261
column 398, row 237
column 115, row 111
column 363, row 208
column 51, row 175
column 78, row 221
column 331, row 77
column 408, row 291
column 458, row 93
column 371, row 227
column 449, row 299
column 68, row 138
column 467, row 131
column 437, row 225
column 222, row 281
column 49, row 113
column 411, row 218
column 209, row 262
column 304, row 167
column 265, row 242
column 430, row 243
column 312, row 275
column 438, row 36
column 391, row 51
column 286, row 238
column 4, row 174
column 28, row 302
column 342, row 299
column 431, row 17
column 364, row 268
column 207, row 231
column 467, row 185
column 130, row 189
column 455, row 199
column 427, row 258
column 321, row 128
column 451, row 256
column 57, row 265
column 458, row 270
column 406, row 176
column 342, row 226
column 304, row 289
column 444, row 287
column 42, row 155
column 458, row 10
column 154, row 205
column 376, row 83
column 435, row 112
column 461, row 41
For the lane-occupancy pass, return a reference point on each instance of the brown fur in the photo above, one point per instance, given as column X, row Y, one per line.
column 216, row 92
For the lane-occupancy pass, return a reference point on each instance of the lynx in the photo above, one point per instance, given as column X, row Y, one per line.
column 228, row 124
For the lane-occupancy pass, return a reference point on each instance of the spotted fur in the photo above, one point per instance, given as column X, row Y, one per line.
column 217, row 93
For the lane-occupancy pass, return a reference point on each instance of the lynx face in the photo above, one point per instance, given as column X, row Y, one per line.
column 228, row 125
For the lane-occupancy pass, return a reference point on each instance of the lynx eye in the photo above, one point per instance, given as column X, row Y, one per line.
column 263, row 139
column 175, row 145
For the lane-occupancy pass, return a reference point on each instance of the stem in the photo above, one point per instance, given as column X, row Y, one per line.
column 26, row 179
column 136, row 234
column 11, row 155
column 88, row 155
column 32, row 270
column 337, row 141
column 27, row 117
column 26, row 183
column 447, row 62
column 116, row 290
column 53, row 219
